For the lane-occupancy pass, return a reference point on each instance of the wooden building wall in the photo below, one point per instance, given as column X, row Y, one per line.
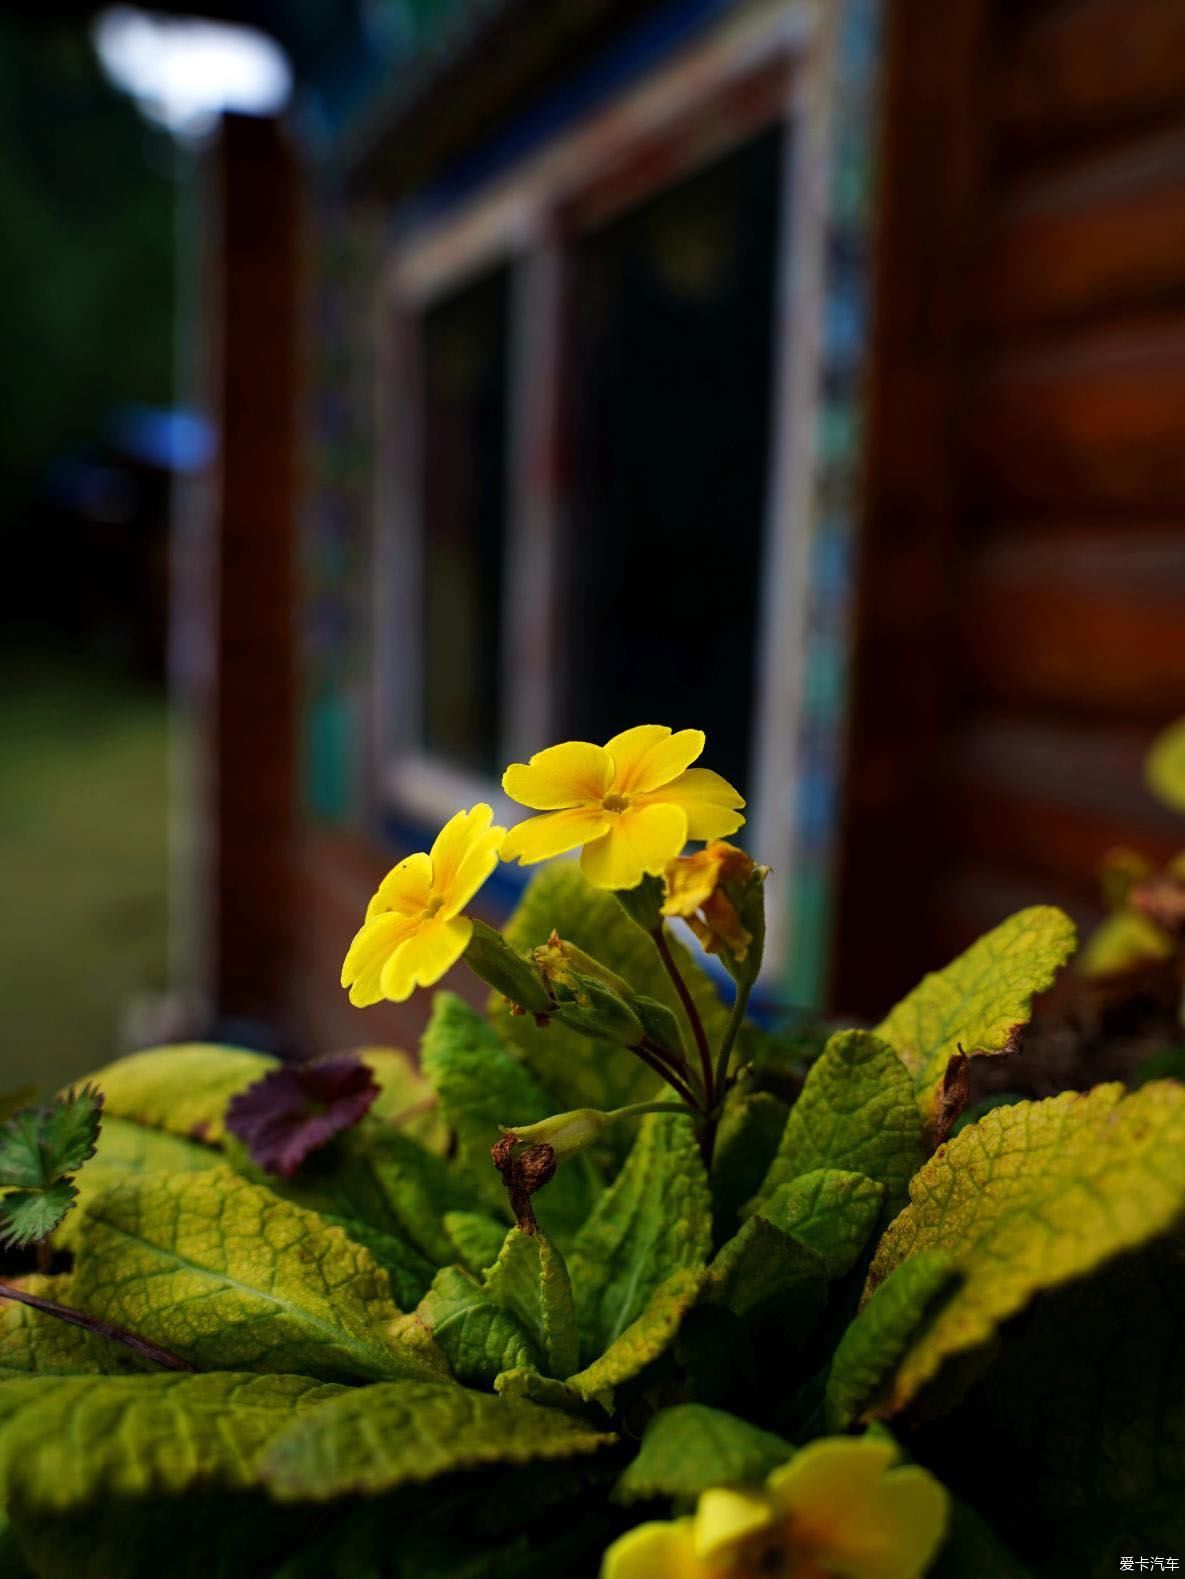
column 1022, row 620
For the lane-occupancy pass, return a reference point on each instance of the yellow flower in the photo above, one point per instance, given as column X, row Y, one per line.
column 837, row 1510
column 413, row 930
column 630, row 805
column 703, row 889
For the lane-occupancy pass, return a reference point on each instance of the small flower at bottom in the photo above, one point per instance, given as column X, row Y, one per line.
column 630, row 805
column 839, row 1509
column 413, row 930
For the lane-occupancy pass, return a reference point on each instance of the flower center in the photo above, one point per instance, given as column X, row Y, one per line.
column 433, row 906
column 616, row 803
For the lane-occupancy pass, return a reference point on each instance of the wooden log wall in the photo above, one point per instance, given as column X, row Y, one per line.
column 1022, row 620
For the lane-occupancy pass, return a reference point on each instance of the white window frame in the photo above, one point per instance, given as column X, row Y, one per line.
column 512, row 221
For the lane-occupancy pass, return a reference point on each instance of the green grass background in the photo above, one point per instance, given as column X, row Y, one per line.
column 83, row 864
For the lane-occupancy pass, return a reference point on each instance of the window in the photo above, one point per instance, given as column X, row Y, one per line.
column 672, row 311
column 463, row 468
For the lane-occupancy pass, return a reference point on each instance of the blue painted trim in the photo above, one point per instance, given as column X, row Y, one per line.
column 607, row 75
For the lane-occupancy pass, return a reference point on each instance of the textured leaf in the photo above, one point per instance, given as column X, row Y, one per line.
column 479, row 1338
column 982, row 1000
column 523, row 1382
column 643, row 1341
column 126, row 1148
column 420, row 1189
column 873, row 1345
column 410, row 1273
column 762, row 1270
column 856, row 1113
column 691, row 1447
column 576, row 1071
column 40, row 1144
column 476, row 1238
column 746, row 1144
column 29, row 1215
column 229, row 1276
column 1087, row 1396
column 405, row 1097
column 1032, row 1196
column 68, row 1442
column 483, row 1086
column 829, row 1211
column 655, row 1218
column 183, row 1089
column 375, row 1439
column 33, row 1343
column 295, row 1110
column 530, row 1280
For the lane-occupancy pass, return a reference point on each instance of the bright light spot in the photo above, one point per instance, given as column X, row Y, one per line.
column 183, row 72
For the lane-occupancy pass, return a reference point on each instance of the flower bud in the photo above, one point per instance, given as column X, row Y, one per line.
column 589, row 1006
column 565, row 1133
column 506, row 970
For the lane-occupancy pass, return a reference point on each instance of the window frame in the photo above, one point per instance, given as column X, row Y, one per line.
column 763, row 66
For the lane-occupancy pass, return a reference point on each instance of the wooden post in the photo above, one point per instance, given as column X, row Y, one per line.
column 251, row 730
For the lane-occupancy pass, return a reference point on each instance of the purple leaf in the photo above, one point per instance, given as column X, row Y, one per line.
column 292, row 1111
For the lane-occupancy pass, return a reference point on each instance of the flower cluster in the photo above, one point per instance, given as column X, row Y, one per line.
column 629, row 807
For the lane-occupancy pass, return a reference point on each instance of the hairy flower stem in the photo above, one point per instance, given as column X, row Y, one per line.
column 667, row 1073
column 735, row 1020
column 105, row 1329
column 690, row 1010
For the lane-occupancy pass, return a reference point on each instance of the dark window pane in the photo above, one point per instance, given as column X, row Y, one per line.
column 464, row 521
column 670, row 384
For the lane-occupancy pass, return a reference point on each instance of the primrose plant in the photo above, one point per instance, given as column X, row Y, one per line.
column 609, row 1280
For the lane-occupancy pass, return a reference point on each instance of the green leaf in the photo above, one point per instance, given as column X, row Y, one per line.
column 483, row 1086
column 40, row 1144
column 405, row 1098
column 33, row 1343
column 374, row 1439
column 1088, row 1396
column 891, row 1321
column 29, row 1215
column 981, row 1002
column 410, row 1273
column 476, row 1238
column 575, row 1070
column 1032, row 1196
column 182, row 1089
column 231, row 1277
column 530, row 1280
column 69, row 1442
column 1122, row 941
column 523, row 1382
column 643, row 1341
column 479, row 1338
column 762, row 1271
column 691, row 1447
column 1164, row 766
column 829, row 1211
column 746, row 1144
column 655, row 1218
column 420, row 1189
column 856, row 1113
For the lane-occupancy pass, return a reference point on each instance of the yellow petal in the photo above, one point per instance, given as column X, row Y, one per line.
column 374, row 944
column 690, row 881
column 431, row 950
column 861, row 1518
column 655, row 1551
column 650, row 755
column 453, row 843
column 480, row 860
column 727, row 1514
column 638, row 841
column 405, row 889
column 711, row 803
column 569, row 775
column 539, row 838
